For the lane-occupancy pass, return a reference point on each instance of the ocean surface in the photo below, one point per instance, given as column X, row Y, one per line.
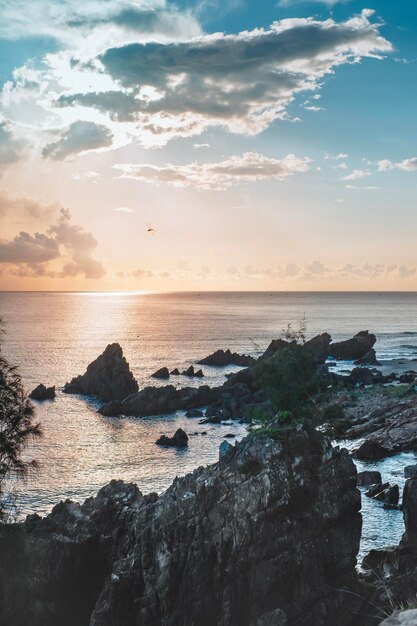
column 54, row 336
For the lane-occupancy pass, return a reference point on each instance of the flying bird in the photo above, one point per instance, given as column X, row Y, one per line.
column 150, row 228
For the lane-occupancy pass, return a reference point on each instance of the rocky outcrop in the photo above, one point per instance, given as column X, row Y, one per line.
column 353, row 349
column 274, row 347
column 267, row 536
column 401, row 618
column 368, row 359
column 159, row 400
column 221, row 358
column 162, row 373
column 179, row 440
column 108, row 377
column 386, row 493
column 41, row 393
column 192, row 373
column 319, row 347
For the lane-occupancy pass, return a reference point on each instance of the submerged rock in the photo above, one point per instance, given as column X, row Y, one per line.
column 369, row 477
column 108, row 377
column 179, row 440
column 41, row 393
column 353, row 349
column 162, row 373
column 268, row 535
column 221, row 358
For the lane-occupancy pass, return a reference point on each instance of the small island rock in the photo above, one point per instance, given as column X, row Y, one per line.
column 179, row 440
column 41, row 393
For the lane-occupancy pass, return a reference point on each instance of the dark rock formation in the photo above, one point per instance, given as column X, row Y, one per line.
column 191, row 372
column 408, row 377
column 274, row 347
column 375, row 489
column 267, row 536
column 371, row 450
column 365, row 376
column 319, row 347
column 41, row 393
column 368, row 359
column 175, row 372
column 179, row 440
column 107, row 378
column 369, row 478
column 410, row 471
column 386, row 493
column 353, row 349
column 221, row 358
column 162, row 373
column 159, row 400
column 194, row 413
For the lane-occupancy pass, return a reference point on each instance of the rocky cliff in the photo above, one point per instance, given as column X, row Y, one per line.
column 267, row 536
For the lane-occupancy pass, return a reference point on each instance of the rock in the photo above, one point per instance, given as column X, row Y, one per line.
column 191, row 372
column 401, row 618
column 410, row 471
column 374, row 490
column 175, row 372
column 319, row 347
column 108, row 377
column 194, row 413
column 225, row 449
column 408, row 377
column 41, row 393
column 274, row 347
column 179, row 440
column 221, row 358
column 162, row 373
column 371, row 450
column 365, row 376
column 368, row 359
column 353, row 349
column 390, row 495
column 369, row 478
column 229, row 436
column 264, row 537
column 160, row 400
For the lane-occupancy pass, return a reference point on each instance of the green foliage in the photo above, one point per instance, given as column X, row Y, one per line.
column 17, row 426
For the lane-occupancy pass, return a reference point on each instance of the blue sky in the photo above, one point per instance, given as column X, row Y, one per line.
column 270, row 144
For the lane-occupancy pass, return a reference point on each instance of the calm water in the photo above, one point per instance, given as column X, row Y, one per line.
column 53, row 337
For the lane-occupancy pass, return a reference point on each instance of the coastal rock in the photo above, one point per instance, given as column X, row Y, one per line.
column 221, row 358
column 225, row 449
column 353, row 349
column 41, row 393
column 191, row 372
column 368, row 359
column 401, row 618
column 274, row 347
column 266, row 536
column 159, row 400
column 390, row 495
column 408, row 377
column 162, row 373
column 365, row 376
column 319, row 347
column 369, row 478
column 108, row 377
column 371, row 450
column 374, row 490
column 410, row 471
column 175, row 372
column 194, row 413
column 179, row 440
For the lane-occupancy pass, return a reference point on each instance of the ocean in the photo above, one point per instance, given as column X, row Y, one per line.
column 52, row 337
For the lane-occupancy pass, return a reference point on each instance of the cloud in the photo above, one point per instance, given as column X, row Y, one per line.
column 78, row 137
column 356, row 174
column 67, row 246
column 329, row 3
column 242, row 82
column 407, row 165
column 249, row 167
column 124, row 209
column 336, row 157
column 10, row 147
column 25, row 206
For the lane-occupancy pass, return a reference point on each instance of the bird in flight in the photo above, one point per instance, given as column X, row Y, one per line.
column 150, row 228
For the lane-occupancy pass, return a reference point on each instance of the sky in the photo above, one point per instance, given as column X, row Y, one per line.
column 150, row 145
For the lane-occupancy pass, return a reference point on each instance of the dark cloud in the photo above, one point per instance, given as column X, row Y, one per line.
column 78, row 137
column 31, row 249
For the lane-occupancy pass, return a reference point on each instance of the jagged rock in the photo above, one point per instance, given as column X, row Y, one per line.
column 368, row 359
column 353, row 349
column 175, row 372
column 374, row 490
column 191, row 372
column 369, row 478
column 162, row 373
column 41, row 393
column 390, row 495
column 410, row 471
column 401, row 618
column 108, row 377
column 319, row 347
column 221, row 358
column 225, row 449
column 229, row 436
column 179, row 440
column 194, row 413
column 274, row 347
column 159, row 400
column 268, row 533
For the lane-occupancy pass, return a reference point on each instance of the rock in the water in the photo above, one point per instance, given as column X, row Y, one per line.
column 41, row 393
column 225, row 449
column 274, row 347
column 108, row 377
column 191, row 372
column 410, row 471
column 267, row 536
column 368, row 359
column 179, row 440
column 374, row 490
column 175, row 372
column 401, row 618
column 365, row 376
column 371, row 450
column 353, row 349
column 319, row 347
column 408, row 377
column 162, row 373
column 390, row 495
column 369, row 478
column 221, row 358
column 194, row 413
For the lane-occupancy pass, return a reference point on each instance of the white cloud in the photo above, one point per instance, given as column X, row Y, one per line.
column 408, row 165
column 335, row 157
column 249, row 167
column 329, row 3
column 356, row 174
column 124, row 209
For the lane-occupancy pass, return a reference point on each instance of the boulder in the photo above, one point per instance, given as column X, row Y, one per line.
column 179, row 440
column 353, row 349
column 365, row 376
column 108, row 377
column 254, row 540
column 368, row 359
column 369, row 478
column 371, row 450
column 410, row 471
column 41, row 393
column 390, row 495
column 221, row 358
column 374, row 490
column 162, row 373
